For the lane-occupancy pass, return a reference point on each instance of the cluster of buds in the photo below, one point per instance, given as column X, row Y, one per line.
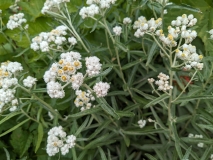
column 48, row 40
column 83, row 99
column 190, row 57
column 58, row 140
column 50, row 5
column 162, row 83
column 16, row 21
column 197, row 136
column 94, row 7
column 143, row 26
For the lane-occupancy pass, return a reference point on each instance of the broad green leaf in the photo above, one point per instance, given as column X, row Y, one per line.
column 40, row 136
column 4, row 4
column 21, row 141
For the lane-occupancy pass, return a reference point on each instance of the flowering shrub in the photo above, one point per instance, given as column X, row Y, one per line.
column 106, row 79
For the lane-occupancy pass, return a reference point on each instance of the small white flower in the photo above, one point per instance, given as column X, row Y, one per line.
column 127, row 20
column 141, row 123
column 72, row 40
column 101, row 89
column 55, row 90
column 16, row 21
column 93, row 66
column 29, row 81
column 117, row 30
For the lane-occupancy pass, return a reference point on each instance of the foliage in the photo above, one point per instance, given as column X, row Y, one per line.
column 110, row 130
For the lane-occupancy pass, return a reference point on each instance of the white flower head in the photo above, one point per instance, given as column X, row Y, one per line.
column 127, row 20
column 141, row 123
column 117, row 30
column 93, row 66
column 16, row 21
column 101, row 89
column 29, row 81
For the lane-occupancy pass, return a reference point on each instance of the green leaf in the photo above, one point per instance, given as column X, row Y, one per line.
column 103, row 156
column 151, row 53
column 191, row 98
column 157, row 100
column 7, row 153
column 21, row 141
column 125, row 114
column 9, row 116
column 15, row 127
column 86, row 112
column 40, row 136
column 82, row 126
column 150, row 156
column 131, row 64
column 107, row 108
column 188, row 151
column 207, row 153
column 33, row 7
column 114, row 93
column 121, row 46
column 142, row 132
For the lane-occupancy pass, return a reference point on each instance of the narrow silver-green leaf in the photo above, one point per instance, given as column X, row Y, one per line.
column 157, row 100
column 40, row 136
column 103, row 156
column 131, row 64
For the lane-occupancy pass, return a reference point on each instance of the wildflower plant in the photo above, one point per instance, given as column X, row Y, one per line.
column 106, row 79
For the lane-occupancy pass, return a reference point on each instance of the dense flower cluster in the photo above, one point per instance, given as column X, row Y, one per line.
column 141, row 123
column 101, row 89
column 83, row 99
column 64, row 71
column 29, row 81
column 162, row 83
column 190, row 57
column 58, row 140
column 8, row 82
column 93, row 66
column 94, row 7
column 16, row 21
column 47, row 40
column 211, row 34
column 143, row 26
column 197, row 136
column 117, row 30
column 51, row 4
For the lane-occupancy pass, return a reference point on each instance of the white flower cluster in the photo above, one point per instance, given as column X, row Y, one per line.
column 16, row 21
column 51, row 4
column 117, row 30
column 211, row 34
column 141, row 123
column 101, row 89
column 162, row 83
column 72, row 41
column 127, row 20
column 8, row 83
column 46, row 40
column 58, row 140
column 83, row 99
column 29, row 81
column 184, row 21
column 94, row 7
column 190, row 57
column 93, row 66
column 143, row 26
column 64, row 71
column 197, row 136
